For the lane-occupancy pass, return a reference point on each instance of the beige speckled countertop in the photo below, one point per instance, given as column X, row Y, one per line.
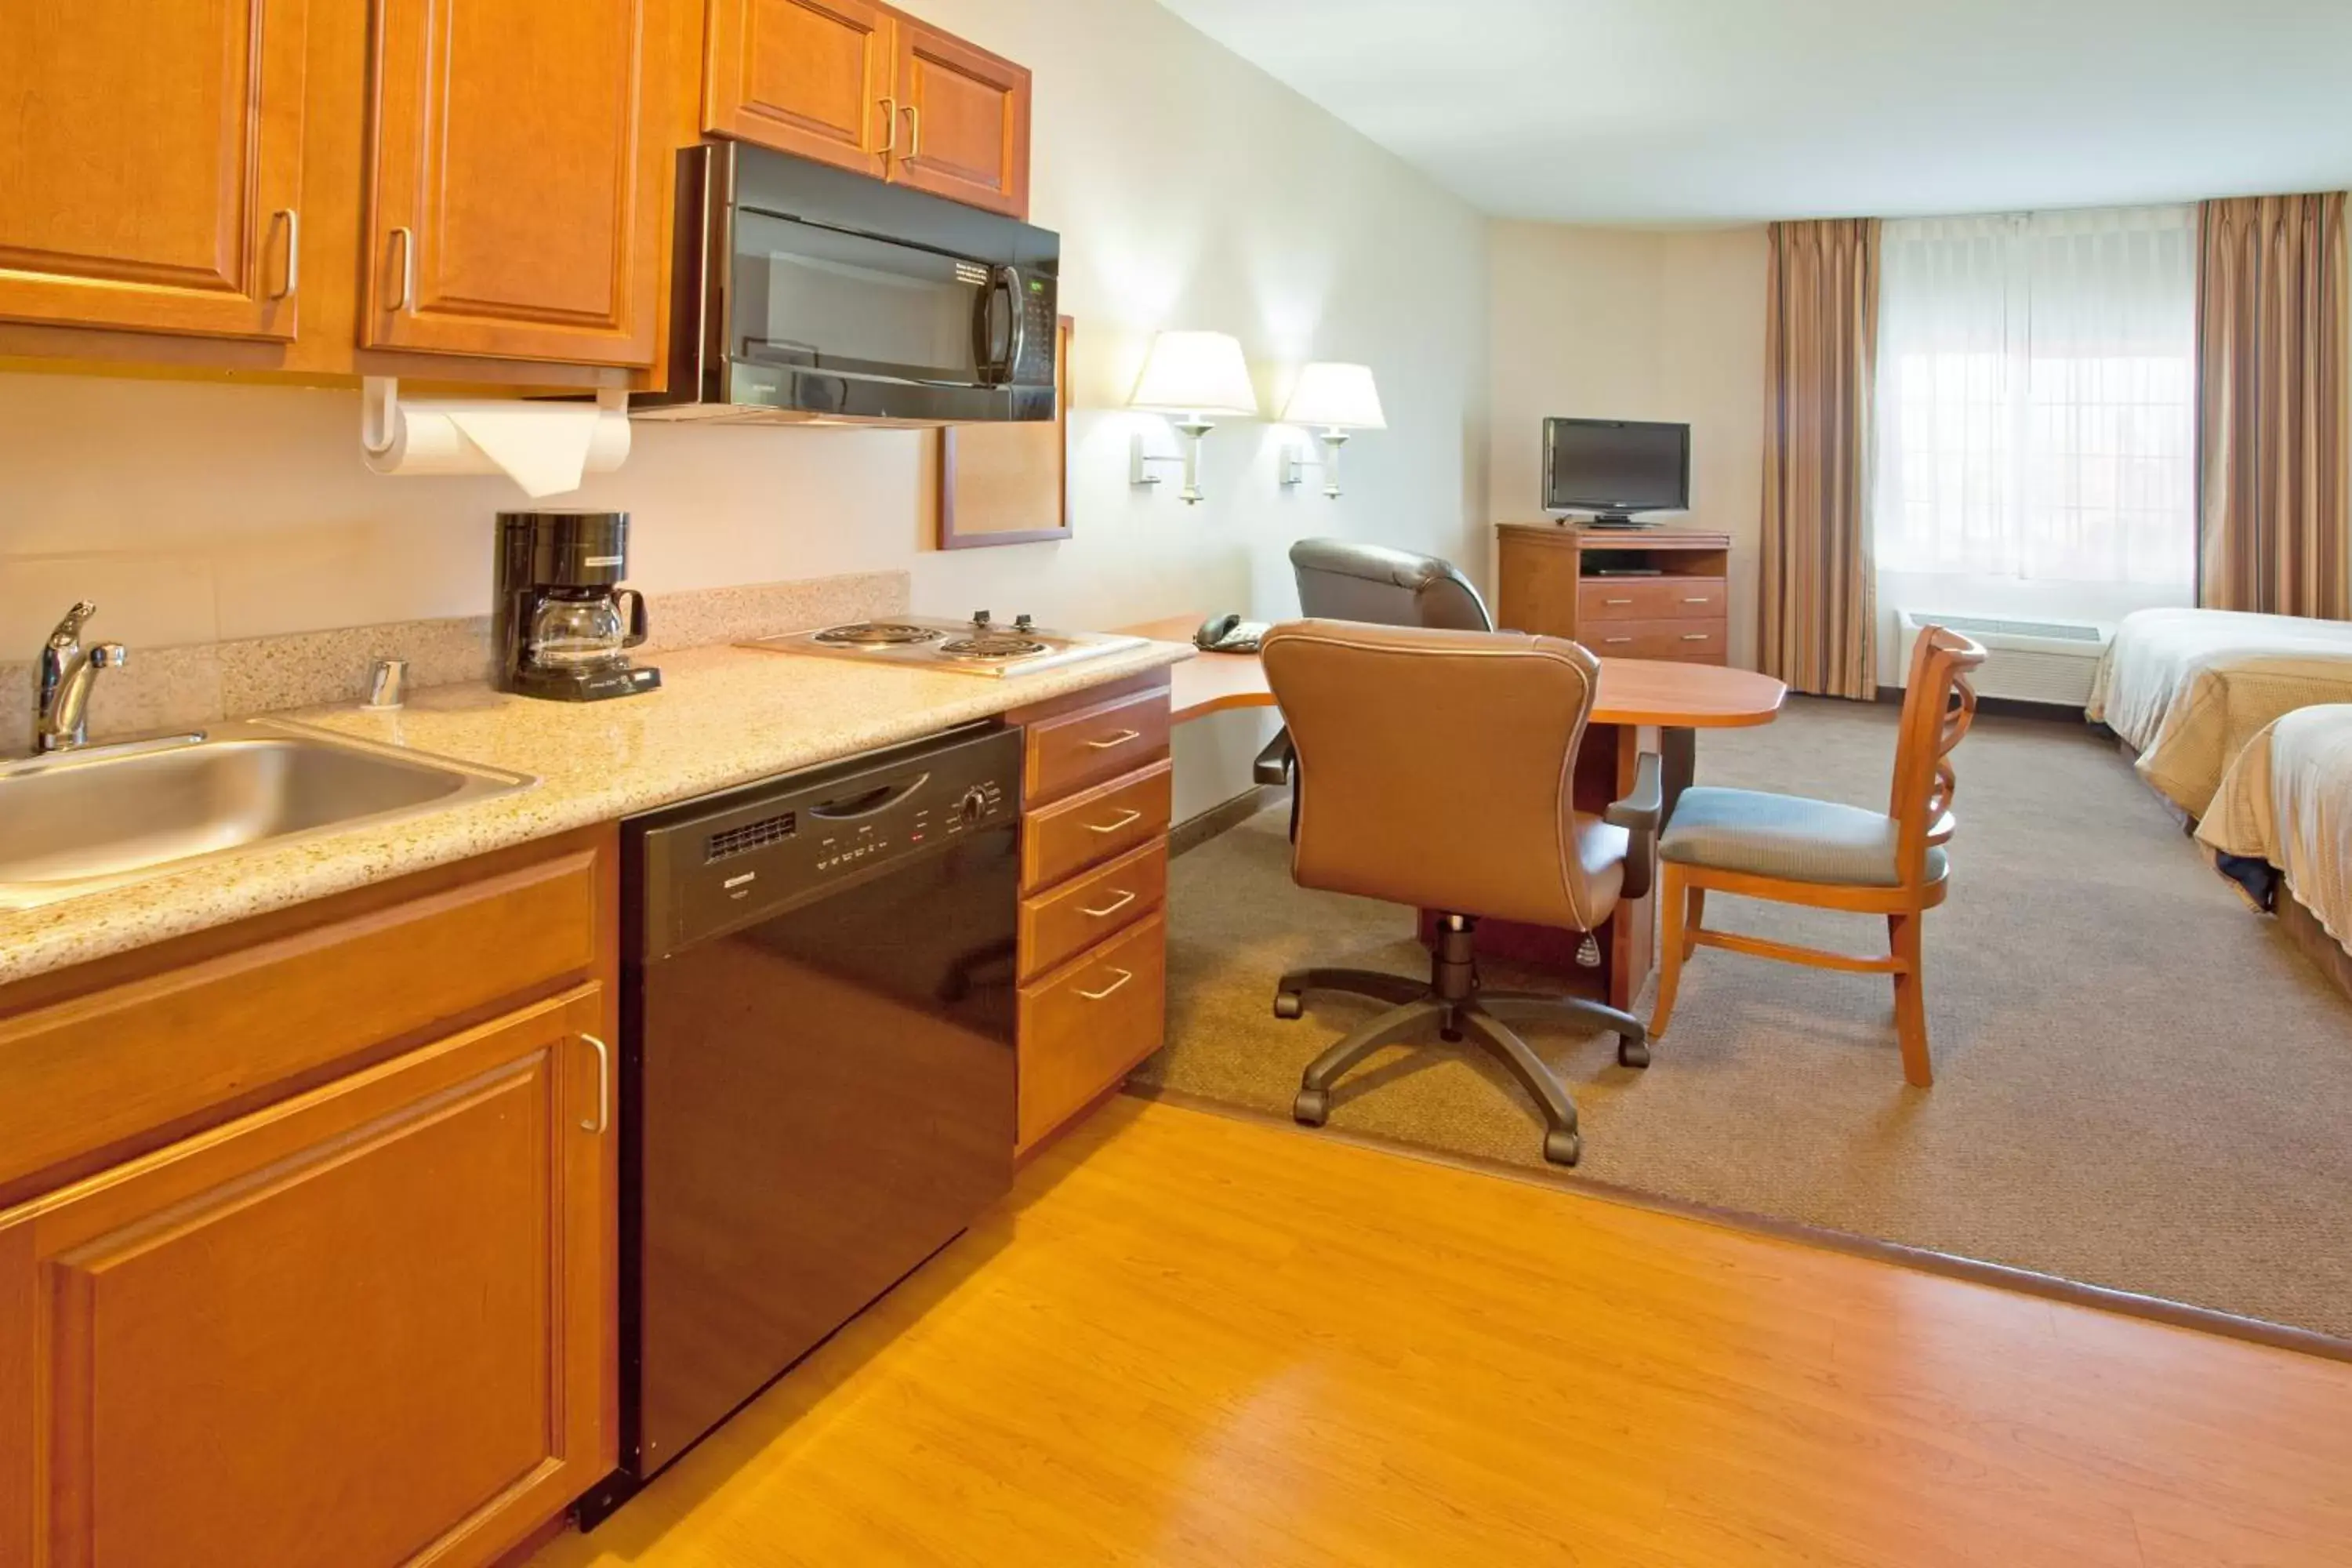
column 724, row 716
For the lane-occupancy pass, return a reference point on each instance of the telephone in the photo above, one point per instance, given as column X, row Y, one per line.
column 1229, row 634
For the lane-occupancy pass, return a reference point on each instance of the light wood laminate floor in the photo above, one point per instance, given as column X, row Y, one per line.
column 1189, row 1339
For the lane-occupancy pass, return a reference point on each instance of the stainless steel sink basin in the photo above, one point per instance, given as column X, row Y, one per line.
column 78, row 821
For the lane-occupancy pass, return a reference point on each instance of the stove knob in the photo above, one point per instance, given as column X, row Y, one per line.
column 979, row 617
column 973, row 805
column 1023, row 623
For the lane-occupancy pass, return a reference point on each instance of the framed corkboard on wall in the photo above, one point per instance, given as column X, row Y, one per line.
column 1009, row 484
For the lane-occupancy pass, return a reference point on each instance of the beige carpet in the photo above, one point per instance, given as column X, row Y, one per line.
column 2140, row 1084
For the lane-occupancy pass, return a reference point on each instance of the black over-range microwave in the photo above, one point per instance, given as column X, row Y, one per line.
column 808, row 293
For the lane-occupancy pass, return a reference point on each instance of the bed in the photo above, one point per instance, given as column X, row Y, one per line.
column 2188, row 688
column 2286, row 802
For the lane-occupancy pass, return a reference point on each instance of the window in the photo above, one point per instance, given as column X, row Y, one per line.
column 2036, row 396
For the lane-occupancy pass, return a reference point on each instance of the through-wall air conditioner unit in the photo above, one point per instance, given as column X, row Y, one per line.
column 2029, row 661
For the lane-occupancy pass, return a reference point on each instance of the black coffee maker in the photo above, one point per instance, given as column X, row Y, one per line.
column 560, row 626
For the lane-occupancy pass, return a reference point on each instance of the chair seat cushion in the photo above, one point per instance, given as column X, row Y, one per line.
column 1785, row 836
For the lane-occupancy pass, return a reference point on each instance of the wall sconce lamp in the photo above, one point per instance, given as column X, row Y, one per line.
column 1191, row 375
column 1340, row 398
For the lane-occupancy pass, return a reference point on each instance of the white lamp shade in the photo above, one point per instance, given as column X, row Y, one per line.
column 1195, row 373
column 1336, row 396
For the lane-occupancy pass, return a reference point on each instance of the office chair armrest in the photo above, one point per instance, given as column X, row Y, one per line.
column 1638, row 814
column 1273, row 763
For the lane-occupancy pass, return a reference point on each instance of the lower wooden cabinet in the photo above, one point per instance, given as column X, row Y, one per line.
column 366, row 1326
column 1095, row 798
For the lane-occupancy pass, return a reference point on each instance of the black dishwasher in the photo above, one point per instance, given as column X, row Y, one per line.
column 817, row 1065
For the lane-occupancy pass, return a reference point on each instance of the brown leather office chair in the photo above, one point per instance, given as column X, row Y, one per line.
column 1436, row 769
column 1347, row 580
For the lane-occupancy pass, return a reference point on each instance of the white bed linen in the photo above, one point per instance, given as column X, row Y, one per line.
column 2287, row 799
column 2188, row 688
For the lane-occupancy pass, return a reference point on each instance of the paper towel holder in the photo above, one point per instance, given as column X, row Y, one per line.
column 380, row 409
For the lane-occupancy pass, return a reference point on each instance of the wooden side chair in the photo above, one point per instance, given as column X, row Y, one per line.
column 1793, row 850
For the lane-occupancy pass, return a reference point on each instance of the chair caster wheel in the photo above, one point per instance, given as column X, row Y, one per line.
column 1287, row 1005
column 1632, row 1054
column 1311, row 1107
column 1562, row 1147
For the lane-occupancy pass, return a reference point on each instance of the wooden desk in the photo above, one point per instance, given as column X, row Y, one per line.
column 1643, row 705
column 1636, row 692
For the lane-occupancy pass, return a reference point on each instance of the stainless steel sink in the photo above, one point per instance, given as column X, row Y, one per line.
column 75, row 822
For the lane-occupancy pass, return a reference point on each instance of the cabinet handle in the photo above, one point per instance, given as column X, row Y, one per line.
column 1124, row 976
column 407, row 273
column 914, row 132
column 293, row 221
column 603, row 1087
column 1112, row 908
column 890, row 117
column 1121, row 820
column 1616, row 601
column 1107, row 741
column 1694, row 636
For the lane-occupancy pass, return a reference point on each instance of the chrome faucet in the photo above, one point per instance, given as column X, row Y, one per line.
column 67, row 671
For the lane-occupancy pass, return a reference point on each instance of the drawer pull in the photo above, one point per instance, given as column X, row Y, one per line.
column 1616, row 639
column 1699, row 599
column 1616, row 601
column 1695, row 637
column 1121, row 820
column 1112, row 908
column 1124, row 976
column 1107, row 741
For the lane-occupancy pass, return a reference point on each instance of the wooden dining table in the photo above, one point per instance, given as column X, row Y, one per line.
column 1643, row 705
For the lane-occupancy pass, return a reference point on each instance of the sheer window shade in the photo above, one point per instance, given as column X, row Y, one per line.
column 2037, row 397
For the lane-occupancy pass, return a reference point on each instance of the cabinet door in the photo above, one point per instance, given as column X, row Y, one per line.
column 967, row 112
column 151, row 153
column 517, row 183
column 367, row 1327
column 807, row 76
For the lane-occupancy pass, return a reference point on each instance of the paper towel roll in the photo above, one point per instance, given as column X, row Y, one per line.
column 545, row 448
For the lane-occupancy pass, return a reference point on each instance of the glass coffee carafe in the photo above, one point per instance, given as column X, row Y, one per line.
column 584, row 628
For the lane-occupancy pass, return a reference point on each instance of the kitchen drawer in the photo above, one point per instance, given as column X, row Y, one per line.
column 1067, row 754
column 1087, row 1023
column 1060, row 923
column 158, row 1053
column 1650, row 599
column 1690, row 642
column 1104, row 823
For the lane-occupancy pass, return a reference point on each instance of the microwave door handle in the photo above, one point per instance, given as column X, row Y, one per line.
column 1017, row 323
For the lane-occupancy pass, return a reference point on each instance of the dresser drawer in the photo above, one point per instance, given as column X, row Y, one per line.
column 1060, row 923
column 1086, row 1025
column 1058, row 841
column 1692, row 642
column 1067, row 754
column 1649, row 599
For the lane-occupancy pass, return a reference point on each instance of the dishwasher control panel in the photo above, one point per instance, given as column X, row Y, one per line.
column 717, row 863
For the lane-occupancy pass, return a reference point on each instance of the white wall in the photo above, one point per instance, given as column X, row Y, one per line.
column 1635, row 324
column 1190, row 190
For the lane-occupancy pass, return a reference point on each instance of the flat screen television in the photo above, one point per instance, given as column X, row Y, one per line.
column 1616, row 468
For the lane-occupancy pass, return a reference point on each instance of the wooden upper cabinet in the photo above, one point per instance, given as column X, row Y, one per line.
column 150, row 164
column 518, row 183
column 811, row 78
column 368, row 1326
column 966, row 135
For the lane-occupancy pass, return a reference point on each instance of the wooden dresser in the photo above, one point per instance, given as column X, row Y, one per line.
column 1622, row 593
column 1094, row 805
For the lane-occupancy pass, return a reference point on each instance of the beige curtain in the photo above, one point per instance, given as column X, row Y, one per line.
column 2273, row 507
column 1820, row 611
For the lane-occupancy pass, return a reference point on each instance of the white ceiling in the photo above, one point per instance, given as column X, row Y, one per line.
column 1643, row 111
